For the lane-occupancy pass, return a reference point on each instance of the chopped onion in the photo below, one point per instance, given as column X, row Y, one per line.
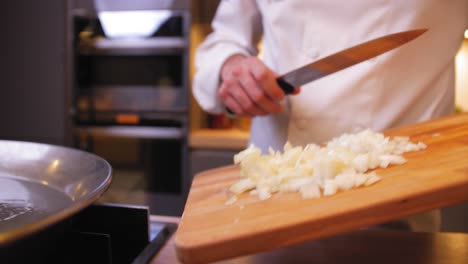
column 314, row 171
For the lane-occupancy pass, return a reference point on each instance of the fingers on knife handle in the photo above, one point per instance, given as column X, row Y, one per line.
column 230, row 113
column 285, row 86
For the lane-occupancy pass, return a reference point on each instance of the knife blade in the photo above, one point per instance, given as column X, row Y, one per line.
column 344, row 59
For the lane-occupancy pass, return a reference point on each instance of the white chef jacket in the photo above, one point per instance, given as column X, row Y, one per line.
column 410, row 84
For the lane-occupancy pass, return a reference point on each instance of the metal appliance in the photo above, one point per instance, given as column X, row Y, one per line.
column 94, row 236
column 48, row 210
column 132, row 86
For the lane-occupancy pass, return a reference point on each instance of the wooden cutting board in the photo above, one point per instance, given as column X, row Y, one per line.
column 432, row 178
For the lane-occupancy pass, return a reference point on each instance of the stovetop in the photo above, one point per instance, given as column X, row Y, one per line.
column 101, row 233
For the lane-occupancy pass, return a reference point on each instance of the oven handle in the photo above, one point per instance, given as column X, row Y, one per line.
column 142, row 132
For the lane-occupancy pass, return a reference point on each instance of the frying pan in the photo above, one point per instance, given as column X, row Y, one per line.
column 41, row 184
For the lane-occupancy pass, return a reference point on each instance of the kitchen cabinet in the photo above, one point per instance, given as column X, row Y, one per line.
column 205, row 159
column 212, row 148
column 455, row 218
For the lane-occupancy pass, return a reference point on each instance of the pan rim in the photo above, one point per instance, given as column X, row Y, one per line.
column 18, row 233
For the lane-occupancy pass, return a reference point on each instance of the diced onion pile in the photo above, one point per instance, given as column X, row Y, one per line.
column 315, row 171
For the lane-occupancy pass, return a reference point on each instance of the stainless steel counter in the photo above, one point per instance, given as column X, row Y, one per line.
column 362, row 246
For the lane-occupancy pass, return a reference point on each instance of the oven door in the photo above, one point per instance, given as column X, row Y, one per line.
column 131, row 83
column 149, row 164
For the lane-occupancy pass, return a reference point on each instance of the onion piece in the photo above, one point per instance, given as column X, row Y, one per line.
column 314, row 171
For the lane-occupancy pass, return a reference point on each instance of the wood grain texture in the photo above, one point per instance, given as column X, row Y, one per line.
column 432, row 178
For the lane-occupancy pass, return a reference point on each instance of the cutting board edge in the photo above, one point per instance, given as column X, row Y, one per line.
column 188, row 253
column 427, row 130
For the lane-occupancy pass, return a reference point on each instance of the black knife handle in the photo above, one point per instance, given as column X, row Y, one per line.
column 285, row 86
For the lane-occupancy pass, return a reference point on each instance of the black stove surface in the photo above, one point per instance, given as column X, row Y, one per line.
column 101, row 233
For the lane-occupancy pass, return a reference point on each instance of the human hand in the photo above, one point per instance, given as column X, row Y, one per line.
column 249, row 88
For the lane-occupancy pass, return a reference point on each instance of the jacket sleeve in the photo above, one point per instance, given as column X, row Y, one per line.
column 237, row 29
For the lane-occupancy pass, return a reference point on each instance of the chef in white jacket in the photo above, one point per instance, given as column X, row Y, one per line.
column 410, row 84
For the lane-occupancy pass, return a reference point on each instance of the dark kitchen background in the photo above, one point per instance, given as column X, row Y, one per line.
column 65, row 83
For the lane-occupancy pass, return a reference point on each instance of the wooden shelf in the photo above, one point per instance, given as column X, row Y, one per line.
column 233, row 139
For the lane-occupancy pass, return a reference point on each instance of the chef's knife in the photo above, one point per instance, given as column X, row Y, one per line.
column 344, row 59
